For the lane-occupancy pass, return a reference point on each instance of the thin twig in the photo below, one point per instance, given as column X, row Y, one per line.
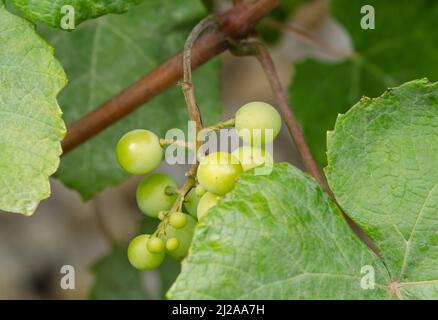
column 187, row 85
column 222, row 124
column 267, row 63
column 289, row 117
column 254, row 47
column 188, row 90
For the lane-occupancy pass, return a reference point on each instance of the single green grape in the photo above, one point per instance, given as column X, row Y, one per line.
column 191, row 202
column 207, row 201
column 251, row 157
column 178, row 220
column 218, row 171
column 140, row 257
column 139, row 151
column 172, row 244
column 155, row 245
column 184, row 237
column 254, row 119
column 156, row 193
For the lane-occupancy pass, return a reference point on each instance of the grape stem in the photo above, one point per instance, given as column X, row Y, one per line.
column 182, row 192
column 177, row 205
column 194, row 113
column 268, row 66
column 187, row 86
column 193, row 109
column 222, row 124
column 186, row 144
column 188, row 90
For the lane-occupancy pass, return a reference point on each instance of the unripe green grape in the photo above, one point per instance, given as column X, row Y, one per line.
column 172, row 244
column 178, row 220
column 139, row 151
column 155, row 245
column 191, row 202
column 207, row 201
column 218, row 171
column 184, row 237
column 254, row 119
column 156, row 193
column 140, row 257
column 252, row 156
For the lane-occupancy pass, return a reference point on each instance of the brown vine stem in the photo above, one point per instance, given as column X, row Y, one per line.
column 255, row 47
column 236, row 23
column 289, row 117
column 268, row 66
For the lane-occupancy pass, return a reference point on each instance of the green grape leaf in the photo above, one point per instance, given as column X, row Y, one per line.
column 51, row 11
column 382, row 166
column 397, row 50
column 105, row 55
column 277, row 236
column 115, row 278
column 31, row 126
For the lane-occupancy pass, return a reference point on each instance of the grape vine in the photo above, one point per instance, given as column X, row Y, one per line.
column 210, row 178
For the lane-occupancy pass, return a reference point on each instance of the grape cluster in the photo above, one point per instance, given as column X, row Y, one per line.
column 158, row 196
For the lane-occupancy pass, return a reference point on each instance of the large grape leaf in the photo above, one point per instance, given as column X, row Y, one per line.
column 400, row 48
column 50, row 11
column 31, row 126
column 281, row 237
column 276, row 236
column 382, row 166
column 107, row 54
